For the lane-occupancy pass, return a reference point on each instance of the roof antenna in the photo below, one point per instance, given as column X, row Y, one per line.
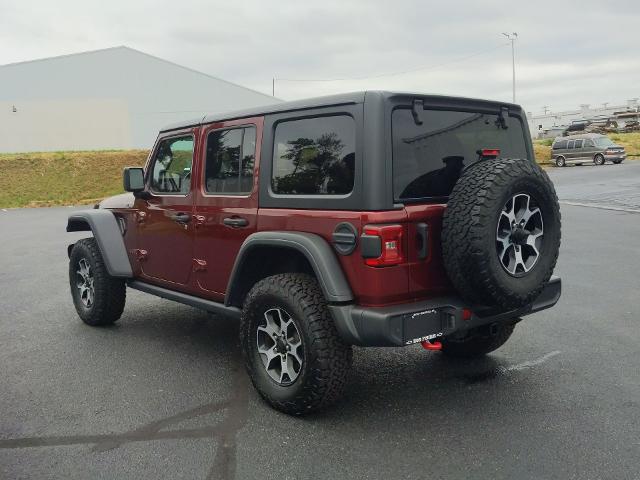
column 414, row 111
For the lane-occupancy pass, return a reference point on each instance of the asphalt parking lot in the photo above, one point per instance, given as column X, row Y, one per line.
column 162, row 395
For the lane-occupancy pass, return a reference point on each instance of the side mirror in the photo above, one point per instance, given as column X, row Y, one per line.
column 133, row 179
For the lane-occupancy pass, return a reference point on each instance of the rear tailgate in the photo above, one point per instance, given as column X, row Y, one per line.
column 427, row 277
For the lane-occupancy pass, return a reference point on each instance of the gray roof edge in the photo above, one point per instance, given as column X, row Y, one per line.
column 326, row 101
column 124, row 47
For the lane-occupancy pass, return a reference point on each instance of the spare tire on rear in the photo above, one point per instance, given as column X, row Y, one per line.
column 501, row 233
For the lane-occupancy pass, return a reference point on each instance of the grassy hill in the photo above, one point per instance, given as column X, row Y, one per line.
column 72, row 178
column 63, row 178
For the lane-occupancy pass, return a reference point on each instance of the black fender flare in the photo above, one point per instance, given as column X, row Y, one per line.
column 104, row 226
column 313, row 247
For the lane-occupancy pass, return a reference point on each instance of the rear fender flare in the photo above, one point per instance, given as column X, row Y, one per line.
column 313, row 247
column 104, row 226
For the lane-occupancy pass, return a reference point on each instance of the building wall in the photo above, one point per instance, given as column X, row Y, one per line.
column 113, row 98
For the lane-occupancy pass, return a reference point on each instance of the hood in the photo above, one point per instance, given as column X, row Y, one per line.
column 124, row 200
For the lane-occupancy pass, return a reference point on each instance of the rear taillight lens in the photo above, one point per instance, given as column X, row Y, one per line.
column 390, row 245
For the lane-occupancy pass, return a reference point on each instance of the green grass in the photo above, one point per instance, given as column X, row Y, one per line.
column 63, row 178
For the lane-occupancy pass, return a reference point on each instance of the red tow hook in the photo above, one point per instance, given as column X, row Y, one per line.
column 427, row 345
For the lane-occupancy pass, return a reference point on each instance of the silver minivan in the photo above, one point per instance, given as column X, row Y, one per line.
column 586, row 148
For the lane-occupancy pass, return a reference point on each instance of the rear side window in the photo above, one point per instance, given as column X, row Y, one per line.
column 314, row 156
column 428, row 158
column 230, row 161
column 571, row 143
column 560, row 144
column 171, row 173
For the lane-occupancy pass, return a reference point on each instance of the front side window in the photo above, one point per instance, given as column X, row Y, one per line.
column 230, row 161
column 428, row 158
column 314, row 156
column 578, row 144
column 171, row 172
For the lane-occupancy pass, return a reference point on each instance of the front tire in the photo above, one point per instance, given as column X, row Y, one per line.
column 598, row 159
column 98, row 297
column 560, row 162
column 292, row 351
column 478, row 341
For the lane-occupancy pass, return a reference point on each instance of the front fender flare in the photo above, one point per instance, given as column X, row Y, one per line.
column 104, row 226
column 313, row 247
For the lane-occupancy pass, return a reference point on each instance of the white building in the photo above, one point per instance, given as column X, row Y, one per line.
column 549, row 119
column 115, row 98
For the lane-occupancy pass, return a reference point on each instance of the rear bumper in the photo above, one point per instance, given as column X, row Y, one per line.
column 406, row 324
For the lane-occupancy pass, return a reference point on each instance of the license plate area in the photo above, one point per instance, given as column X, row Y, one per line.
column 423, row 325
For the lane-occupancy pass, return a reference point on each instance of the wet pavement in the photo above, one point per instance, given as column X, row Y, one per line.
column 163, row 395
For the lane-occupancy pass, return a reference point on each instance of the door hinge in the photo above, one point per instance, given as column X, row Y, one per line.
column 199, row 265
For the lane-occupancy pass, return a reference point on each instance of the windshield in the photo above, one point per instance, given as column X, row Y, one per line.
column 429, row 158
column 604, row 142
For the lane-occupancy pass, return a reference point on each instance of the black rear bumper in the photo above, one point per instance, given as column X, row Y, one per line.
column 410, row 323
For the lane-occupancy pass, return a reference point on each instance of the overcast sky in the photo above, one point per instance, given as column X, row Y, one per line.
column 567, row 53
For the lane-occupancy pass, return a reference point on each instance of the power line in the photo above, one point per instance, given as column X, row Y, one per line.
column 391, row 74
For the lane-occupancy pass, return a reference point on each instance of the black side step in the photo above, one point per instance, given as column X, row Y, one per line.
column 197, row 302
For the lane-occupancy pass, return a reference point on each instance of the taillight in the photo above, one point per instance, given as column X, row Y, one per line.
column 386, row 241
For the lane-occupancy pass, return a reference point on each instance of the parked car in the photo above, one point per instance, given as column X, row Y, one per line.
column 370, row 219
column 586, row 148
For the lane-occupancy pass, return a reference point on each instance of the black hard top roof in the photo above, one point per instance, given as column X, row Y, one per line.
column 325, row 101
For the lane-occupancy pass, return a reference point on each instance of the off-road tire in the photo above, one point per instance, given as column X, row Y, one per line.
column 469, row 232
column 327, row 358
column 110, row 292
column 478, row 341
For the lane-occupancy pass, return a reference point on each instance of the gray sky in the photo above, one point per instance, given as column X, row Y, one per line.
column 568, row 53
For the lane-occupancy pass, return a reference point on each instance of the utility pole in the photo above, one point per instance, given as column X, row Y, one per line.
column 512, row 38
column 273, row 87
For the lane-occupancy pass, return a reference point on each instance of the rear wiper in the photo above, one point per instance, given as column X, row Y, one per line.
column 501, row 121
column 414, row 111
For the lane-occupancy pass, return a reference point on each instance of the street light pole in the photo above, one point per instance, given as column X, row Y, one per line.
column 512, row 38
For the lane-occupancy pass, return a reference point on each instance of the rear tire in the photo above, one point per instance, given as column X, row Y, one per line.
column 478, row 341
column 286, row 326
column 598, row 159
column 560, row 162
column 98, row 297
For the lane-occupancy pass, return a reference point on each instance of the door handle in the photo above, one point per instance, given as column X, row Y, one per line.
column 181, row 217
column 235, row 222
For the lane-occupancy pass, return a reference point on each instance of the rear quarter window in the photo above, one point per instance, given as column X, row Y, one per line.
column 314, row 156
column 428, row 158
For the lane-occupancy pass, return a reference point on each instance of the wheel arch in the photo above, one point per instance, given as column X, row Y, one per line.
column 104, row 226
column 268, row 253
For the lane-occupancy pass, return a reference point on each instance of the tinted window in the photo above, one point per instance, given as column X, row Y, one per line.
column 560, row 144
column 230, row 160
column 428, row 158
column 172, row 166
column 314, row 156
column 570, row 143
column 578, row 144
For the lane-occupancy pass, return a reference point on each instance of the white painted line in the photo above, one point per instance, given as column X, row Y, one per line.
column 602, row 207
column 531, row 363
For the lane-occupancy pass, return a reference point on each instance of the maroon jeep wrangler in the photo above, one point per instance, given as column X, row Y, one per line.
column 370, row 219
